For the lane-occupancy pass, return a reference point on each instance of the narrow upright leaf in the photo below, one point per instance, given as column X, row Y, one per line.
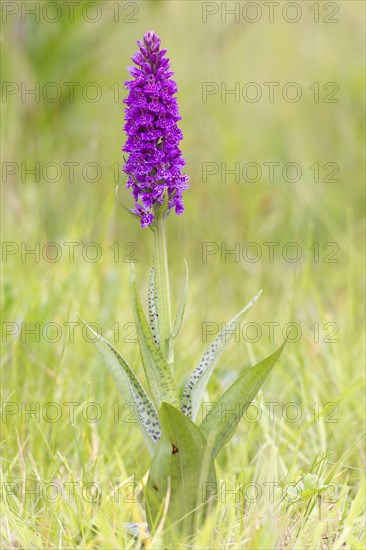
column 158, row 374
column 183, row 463
column 181, row 307
column 220, row 423
column 197, row 382
column 178, row 318
column 153, row 308
column 130, row 389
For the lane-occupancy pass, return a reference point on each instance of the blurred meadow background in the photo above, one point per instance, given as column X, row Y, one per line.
column 306, row 460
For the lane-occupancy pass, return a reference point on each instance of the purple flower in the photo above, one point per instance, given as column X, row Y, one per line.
column 155, row 162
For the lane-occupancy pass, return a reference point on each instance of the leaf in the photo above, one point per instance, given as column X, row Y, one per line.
column 153, row 308
column 220, row 423
column 183, row 468
column 158, row 374
column 130, row 389
column 197, row 382
column 181, row 307
column 178, row 318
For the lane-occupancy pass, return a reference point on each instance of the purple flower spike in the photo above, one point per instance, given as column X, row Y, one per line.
column 155, row 162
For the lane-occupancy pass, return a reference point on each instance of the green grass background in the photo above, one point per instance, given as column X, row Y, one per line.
column 36, row 451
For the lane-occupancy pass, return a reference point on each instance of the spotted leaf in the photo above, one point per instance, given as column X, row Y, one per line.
column 158, row 373
column 197, row 382
column 130, row 389
column 153, row 308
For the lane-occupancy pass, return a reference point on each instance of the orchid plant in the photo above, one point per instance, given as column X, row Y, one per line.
column 183, row 451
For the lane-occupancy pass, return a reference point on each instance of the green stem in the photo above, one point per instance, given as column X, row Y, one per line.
column 162, row 282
